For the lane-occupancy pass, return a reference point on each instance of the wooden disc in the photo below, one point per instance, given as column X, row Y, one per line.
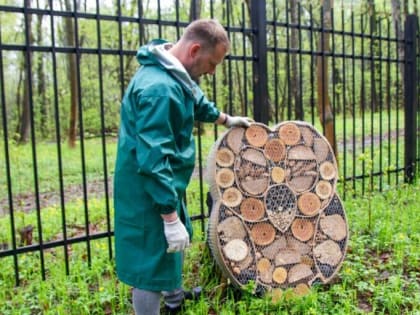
column 302, row 229
column 246, row 262
column 301, row 247
column 225, row 157
column 252, row 209
column 287, row 257
column 255, row 156
column 301, row 152
column 255, row 186
column 272, row 250
column 309, row 204
column 256, row 135
column 263, row 265
column 234, row 139
column 232, row 197
column 307, row 135
column 301, row 183
column 231, row 228
column 279, row 275
column 236, row 250
column 278, row 174
column 328, row 252
column 275, row 150
column 263, row 234
column 327, row 170
column 265, row 270
column 301, row 289
column 334, row 226
column 321, row 149
column 323, row 189
column 299, row 272
column 289, row 133
column 225, row 177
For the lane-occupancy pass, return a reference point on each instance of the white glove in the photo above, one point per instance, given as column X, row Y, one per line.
column 237, row 121
column 176, row 235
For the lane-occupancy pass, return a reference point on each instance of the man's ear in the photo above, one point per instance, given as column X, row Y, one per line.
column 194, row 50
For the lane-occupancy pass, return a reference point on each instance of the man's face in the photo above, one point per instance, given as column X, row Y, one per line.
column 205, row 62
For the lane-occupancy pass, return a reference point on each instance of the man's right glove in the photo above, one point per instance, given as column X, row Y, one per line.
column 176, row 235
column 237, row 121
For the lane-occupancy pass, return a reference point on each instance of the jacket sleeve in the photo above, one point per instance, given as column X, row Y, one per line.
column 155, row 148
column 204, row 110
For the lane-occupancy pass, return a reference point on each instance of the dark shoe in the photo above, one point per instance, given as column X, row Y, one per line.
column 193, row 295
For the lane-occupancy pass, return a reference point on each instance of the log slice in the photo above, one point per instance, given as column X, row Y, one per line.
column 256, row 135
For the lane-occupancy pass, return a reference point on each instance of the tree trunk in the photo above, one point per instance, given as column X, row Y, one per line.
column 42, row 98
column 25, row 119
column 326, row 116
column 72, row 73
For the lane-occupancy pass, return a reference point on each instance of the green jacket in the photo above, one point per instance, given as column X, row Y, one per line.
column 155, row 160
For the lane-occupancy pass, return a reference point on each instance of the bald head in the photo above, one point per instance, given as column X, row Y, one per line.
column 208, row 32
column 203, row 45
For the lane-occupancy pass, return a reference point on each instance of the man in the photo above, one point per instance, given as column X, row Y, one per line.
column 155, row 160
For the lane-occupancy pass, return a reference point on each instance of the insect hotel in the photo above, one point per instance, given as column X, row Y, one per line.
column 276, row 218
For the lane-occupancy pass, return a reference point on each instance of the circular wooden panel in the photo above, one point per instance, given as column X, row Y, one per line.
column 278, row 220
column 252, row 209
column 256, row 135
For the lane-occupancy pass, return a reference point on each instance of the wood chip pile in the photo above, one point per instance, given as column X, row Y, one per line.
column 276, row 218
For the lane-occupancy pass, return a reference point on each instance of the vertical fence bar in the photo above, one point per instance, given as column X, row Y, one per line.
column 313, row 67
column 410, row 97
column 344, row 100
column 29, row 80
column 363, row 102
column 103, row 129
column 7, row 166
column 81, row 130
column 388, row 95
column 276, row 66
column 58, row 139
column 380, row 105
column 397, row 101
column 353, row 85
column 259, row 69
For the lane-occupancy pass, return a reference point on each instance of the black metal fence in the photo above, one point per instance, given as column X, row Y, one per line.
column 355, row 77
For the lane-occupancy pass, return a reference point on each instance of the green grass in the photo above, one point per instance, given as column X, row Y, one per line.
column 380, row 274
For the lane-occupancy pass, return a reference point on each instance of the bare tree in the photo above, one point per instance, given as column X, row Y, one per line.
column 25, row 118
column 41, row 90
column 72, row 76
column 324, row 108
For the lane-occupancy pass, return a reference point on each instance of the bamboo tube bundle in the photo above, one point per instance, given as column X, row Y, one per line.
column 276, row 218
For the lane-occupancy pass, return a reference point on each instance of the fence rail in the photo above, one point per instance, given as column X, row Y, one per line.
column 281, row 55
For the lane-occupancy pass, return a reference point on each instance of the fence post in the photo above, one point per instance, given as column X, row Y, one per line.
column 259, row 64
column 410, row 97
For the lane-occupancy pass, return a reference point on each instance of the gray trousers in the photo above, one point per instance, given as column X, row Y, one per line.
column 148, row 302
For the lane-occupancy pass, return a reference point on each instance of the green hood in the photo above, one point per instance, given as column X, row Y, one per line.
column 156, row 53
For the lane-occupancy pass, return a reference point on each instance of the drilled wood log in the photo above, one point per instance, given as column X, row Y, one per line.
column 256, row 135
column 225, row 157
column 289, row 133
column 252, row 209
